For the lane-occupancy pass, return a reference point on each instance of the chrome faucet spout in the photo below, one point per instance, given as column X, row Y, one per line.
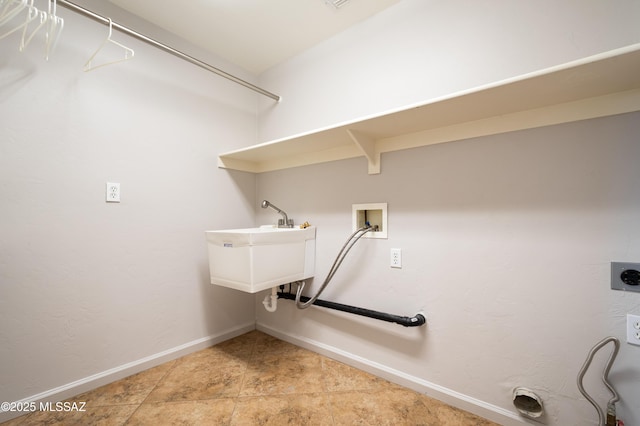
column 285, row 222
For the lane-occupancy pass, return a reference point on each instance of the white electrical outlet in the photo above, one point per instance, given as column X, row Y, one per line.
column 396, row 258
column 633, row 329
column 113, row 192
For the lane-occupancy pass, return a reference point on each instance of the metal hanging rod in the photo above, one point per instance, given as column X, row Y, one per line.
column 81, row 10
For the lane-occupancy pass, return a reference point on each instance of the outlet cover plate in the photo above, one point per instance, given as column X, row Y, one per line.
column 396, row 258
column 633, row 329
column 113, row 192
column 624, row 271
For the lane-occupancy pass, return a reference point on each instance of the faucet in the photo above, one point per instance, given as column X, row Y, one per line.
column 285, row 222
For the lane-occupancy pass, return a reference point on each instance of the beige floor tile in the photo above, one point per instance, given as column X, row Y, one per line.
column 307, row 409
column 393, row 406
column 268, row 345
column 449, row 416
column 16, row 421
column 279, row 375
column 130, row 390
column 206, row 374
column 212, row 412
column 254, row 379
column 99, row 416
column 241, row 350
column 340, row 377
column 241, row 345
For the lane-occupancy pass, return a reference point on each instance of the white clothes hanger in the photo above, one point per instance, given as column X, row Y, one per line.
column 128, row 53
column 54, row 29
column 26, row 40
column 32, row 13
column 11, row 9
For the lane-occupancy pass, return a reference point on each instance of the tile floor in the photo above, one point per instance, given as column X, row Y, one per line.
column 254, row 379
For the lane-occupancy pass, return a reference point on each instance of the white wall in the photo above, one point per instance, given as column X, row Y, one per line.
column 506, row 239
column 499, row 235
column 419, row 50
column 506, row 247
column 86, row 286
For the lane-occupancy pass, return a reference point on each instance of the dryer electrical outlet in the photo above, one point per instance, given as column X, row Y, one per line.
column 625, row 276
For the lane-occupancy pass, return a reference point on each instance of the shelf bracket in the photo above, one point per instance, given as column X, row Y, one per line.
column 368, row 147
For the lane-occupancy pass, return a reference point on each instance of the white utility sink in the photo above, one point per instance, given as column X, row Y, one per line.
column 255, row 259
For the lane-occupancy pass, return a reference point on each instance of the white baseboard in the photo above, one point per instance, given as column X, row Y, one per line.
column 94, row 381
column 448, row 396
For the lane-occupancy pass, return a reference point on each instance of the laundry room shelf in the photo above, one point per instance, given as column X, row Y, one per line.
column 597, row 86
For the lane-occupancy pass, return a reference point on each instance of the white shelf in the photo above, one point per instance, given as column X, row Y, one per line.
column 597, row 86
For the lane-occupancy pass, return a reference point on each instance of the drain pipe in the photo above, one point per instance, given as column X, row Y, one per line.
column 271, row 303
column 414, row 321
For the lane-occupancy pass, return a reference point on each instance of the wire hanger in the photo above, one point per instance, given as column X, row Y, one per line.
column 128, row 53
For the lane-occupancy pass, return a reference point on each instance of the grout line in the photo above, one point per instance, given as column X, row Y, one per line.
column 155, row 386
column 244, row 375
column 326, row 373
column 327, row 393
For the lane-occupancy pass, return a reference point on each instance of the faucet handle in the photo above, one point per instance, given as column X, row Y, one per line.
column 281, row 223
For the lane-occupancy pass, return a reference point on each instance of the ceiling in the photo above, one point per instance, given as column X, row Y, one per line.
column 253, row 34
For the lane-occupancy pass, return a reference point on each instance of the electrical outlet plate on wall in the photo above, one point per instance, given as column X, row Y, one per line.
column 625, row 276
column 396, row 258
column 633, row 329
column 113, row 192
column 375, row 214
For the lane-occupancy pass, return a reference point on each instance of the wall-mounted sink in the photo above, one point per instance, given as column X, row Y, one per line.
column 255, row 259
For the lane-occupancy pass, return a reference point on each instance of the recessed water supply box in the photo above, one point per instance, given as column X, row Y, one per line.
column 374, row 214
column 255, row 259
